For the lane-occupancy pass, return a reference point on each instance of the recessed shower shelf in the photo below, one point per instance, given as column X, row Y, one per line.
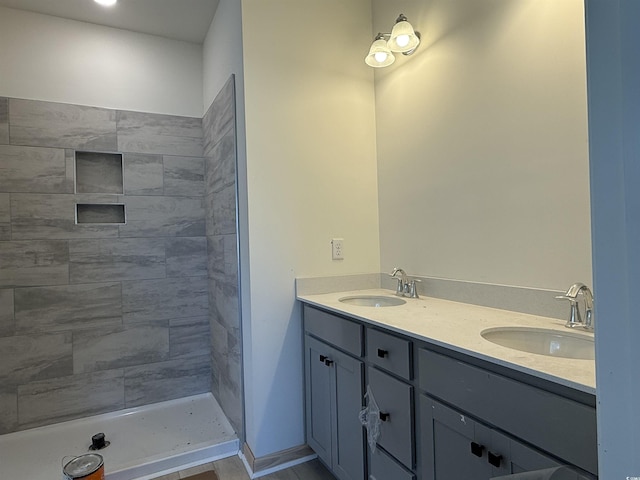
column 106, row 213
column 99, row 172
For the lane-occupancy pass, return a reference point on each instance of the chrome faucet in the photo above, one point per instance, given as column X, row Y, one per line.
column 402, row 281
column 575, row 319
column 405, row 287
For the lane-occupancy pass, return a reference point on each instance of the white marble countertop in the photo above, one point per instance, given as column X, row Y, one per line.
column 457, row 326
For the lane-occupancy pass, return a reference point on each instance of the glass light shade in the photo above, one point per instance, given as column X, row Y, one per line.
column 379, row 55
column 403, row 38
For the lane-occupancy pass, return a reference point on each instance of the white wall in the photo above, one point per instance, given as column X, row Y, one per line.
column 482, row 143
column 311, row 174
column 52, row 59
column 222, row 52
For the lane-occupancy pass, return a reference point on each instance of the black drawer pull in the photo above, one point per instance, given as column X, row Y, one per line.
column 384, row 416
column 328, row 362
column 323, row 358
column 477, row 449
column 495, row 459
column 382, row 353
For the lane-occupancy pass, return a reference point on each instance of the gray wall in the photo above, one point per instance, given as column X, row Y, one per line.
column 220, row 166
column 614, row 121
column 96, row 318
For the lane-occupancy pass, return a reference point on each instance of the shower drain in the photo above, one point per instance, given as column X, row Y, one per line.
column 98, row 442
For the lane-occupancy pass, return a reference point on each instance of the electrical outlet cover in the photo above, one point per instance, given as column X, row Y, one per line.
column 337, row 249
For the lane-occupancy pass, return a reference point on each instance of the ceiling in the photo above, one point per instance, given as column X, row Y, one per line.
column 186, row 20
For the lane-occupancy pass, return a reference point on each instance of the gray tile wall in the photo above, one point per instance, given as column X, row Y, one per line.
column 52, row 216
column 70, row 397
column 5, row 216
column 67, row 307
column 60, row 125
column 148, row 300
column 4, row 120
column 7, row 319
column 185, row 375
column 159, row 134
column 35, row 170
column 144, row 174
column 220, row 198
column 96, row 318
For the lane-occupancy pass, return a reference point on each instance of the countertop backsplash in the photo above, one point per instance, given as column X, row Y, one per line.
column 533, row 301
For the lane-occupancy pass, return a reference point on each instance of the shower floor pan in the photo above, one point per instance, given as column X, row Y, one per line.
column 145, row 441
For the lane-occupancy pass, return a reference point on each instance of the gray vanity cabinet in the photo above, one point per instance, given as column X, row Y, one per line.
column 334, row 393
column 444, row 415
column 457, row 446
column 551, row 422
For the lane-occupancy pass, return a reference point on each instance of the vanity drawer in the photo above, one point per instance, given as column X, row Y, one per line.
column 389, row 352
column 395, row 400
column 344, row 334
column 383, row 467
column 551, row 422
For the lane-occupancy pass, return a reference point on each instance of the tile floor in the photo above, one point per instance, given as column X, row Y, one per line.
column 232, row 468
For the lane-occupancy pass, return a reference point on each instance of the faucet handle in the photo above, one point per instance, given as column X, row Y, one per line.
column 565, row 297
column 413, row 291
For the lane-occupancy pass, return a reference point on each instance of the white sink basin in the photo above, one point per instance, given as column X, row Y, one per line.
column 543, row 341
column 372, row 301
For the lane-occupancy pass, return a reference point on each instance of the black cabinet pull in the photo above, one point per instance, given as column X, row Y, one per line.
column 384, row 416
column 323, row 358
column 494, row 459
column 382, row 353
column 477, row 449
column 328, row 362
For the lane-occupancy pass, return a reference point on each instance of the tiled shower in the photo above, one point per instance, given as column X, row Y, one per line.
column 118, row 312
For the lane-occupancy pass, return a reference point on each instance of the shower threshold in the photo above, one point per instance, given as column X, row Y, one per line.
column 144, row 441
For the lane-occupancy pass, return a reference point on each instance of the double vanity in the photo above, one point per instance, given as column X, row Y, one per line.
column 459, row 391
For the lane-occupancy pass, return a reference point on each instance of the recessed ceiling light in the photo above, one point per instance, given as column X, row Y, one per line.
column 106, row 3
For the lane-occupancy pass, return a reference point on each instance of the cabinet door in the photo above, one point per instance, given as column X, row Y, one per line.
column 383, row 467
column 348, row 449
column 318, row 398
column 451, row 447
column 334, row 397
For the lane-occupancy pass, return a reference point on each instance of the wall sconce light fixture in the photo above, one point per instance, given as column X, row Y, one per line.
column 402, row 39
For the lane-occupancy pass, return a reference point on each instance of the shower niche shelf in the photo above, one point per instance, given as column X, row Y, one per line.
column 100, row 213
column 99, row 172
